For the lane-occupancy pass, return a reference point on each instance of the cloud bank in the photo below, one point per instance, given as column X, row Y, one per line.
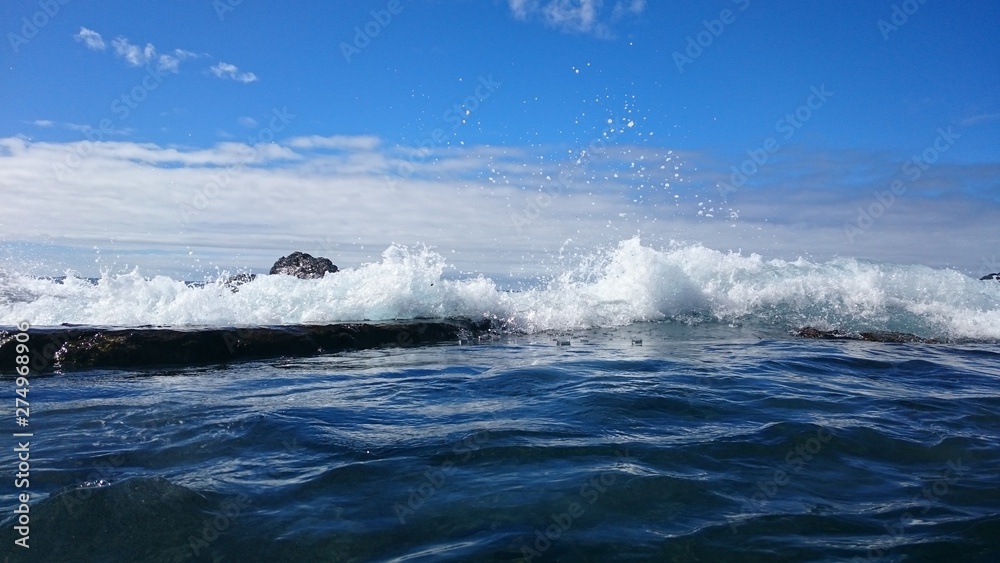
column 505, row 211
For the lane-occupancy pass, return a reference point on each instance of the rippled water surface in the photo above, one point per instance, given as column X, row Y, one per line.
column 701, row 444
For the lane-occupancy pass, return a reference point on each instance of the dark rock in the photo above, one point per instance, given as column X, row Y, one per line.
column 303, row 266
column 991, row 277
column 234, row 282
column 876, row 336
column 810, row 332
column 88, row 348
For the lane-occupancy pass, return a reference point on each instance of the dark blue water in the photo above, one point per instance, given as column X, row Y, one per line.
column 703, row 443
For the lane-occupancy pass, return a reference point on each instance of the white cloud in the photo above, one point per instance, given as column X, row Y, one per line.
column 343, row 142
column 90, row 38
column 486, row 208
column 84, row 128
column 171, row 62
column 247, row 122
column 520, row 8
column 574, row 16
column 134, row 55
column 623, row 7
column 79, row 127
column 226, row 70
column 168, row 63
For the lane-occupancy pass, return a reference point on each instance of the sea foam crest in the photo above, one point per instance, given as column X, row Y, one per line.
column 623, row 284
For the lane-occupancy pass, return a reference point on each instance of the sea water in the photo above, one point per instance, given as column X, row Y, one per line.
column 648, row 405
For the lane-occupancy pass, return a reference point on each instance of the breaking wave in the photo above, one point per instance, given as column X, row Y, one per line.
column 617, row 286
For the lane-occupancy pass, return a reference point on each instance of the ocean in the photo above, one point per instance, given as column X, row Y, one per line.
column 646, row 404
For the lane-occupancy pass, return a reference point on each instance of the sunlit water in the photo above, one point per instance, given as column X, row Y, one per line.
column 704, row 443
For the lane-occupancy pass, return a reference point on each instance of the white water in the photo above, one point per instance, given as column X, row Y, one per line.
column 614, row 287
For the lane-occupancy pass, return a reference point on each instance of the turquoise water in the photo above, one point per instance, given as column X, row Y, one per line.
column 704, row 443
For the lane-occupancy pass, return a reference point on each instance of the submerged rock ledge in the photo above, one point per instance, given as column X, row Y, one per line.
column 876, row 336
column 63, row 349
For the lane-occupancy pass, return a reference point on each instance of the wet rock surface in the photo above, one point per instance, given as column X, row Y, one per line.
column 874, row 336
column 66, row 349
column 303, row 266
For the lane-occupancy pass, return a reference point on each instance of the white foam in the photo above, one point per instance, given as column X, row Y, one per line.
column 614, row 287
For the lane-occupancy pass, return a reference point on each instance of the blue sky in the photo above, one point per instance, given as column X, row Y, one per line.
column 340, row 127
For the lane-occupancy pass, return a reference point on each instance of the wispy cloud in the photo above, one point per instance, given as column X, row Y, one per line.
column 171, row 62
column 84, row 128
column 247, row 122
column 136, row 55
column 465, row 199
column 575, row 16
column 625, row 7
column 81, row 128
column 232, row 72
column 90, row 38
column 342, row 142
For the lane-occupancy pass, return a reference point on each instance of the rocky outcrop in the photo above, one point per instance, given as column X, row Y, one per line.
column 64, row 349
column 995, row 277
column 234, row 282
column 298, row 264
column 303, row 266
